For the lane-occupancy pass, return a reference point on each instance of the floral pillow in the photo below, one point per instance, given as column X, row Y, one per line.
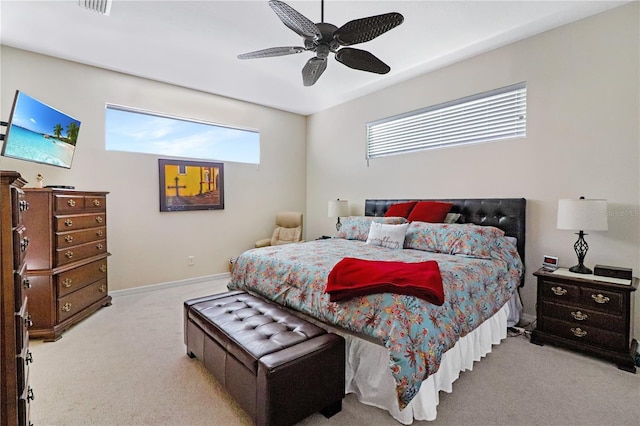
column 357, row 227
column 463, row 239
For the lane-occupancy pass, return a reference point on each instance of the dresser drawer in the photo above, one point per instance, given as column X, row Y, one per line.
column 73, row 238
column 580, row 315
column 72, row 254
column 602, row 300
column 20, row 284
column 19, row 205
column 78, row 300
column 70, row 281
column 586, row 334
column 65, row 203
column 95, row 203
column 81, row 221
column 20, row 245
column 24, row 406
column 24, row 359
column 23, row 322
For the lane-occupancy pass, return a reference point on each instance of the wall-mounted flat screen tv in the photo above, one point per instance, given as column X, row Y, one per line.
column 39, row 133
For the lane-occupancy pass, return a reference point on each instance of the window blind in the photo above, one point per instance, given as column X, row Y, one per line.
column 490, row 116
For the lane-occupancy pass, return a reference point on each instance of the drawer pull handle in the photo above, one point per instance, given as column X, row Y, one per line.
column 66, row 307
column 558, row 291
column 24, row 205
column 71, row 202
column 30, row 394
column 578, row 332
column 24, row 244
column 103, row 268
column 103, row 288
column 579, row 315
column 599, row 298
column 69, row 238
column 29, row 358
column 99, row 246
column 99, row 233
column 69, row 254
column 26, row 283
column 27, row 321
column 96, row 203
column 67, row 282
column 68, row 222
column 99, row 219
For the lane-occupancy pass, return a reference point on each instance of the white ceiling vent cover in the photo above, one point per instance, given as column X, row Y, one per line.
column 101, row 6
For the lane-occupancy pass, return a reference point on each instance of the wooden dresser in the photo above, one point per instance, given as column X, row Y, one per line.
column 585, row 314
column 67, row 258
column 15, row 392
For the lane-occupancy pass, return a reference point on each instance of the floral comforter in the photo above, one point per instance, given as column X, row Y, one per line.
column 415, row 332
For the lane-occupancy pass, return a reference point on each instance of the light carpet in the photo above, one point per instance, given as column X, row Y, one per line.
column 127, row 365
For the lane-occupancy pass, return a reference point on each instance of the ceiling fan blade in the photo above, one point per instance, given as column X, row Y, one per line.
column 361, row 60
column 295, row 21
column 365, row 29
column 312, row 70
column 272, row 51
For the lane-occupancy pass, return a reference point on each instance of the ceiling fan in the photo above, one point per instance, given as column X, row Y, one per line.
column 323, row 38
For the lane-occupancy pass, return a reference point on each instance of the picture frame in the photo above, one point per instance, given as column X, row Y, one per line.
column 190, row 185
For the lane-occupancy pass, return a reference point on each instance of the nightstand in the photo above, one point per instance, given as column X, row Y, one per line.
column 587, row 313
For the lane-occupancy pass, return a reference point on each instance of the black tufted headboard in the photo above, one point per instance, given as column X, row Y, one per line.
column 508, row 214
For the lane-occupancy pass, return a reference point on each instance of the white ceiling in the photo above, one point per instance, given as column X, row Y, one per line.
column 195, row 43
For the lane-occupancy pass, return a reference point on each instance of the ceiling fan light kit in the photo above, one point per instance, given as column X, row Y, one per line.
column 324, row 38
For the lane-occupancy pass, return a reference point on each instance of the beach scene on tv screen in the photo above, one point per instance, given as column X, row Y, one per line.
column 40, row 133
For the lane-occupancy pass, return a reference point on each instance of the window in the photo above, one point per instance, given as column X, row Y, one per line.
column 490, row 116
column 133, row 130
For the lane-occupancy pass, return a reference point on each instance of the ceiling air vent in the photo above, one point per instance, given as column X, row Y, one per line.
column 101, row 6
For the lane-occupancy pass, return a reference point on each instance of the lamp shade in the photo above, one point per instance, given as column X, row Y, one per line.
column 582, row 215
column 338, row 208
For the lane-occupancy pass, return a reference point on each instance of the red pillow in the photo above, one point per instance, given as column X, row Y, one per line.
column 400, row 209
column 429, row 211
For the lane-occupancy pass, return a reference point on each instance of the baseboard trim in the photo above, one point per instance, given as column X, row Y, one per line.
column 160, row 286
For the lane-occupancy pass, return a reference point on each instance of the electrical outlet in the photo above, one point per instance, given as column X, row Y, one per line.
column 192, row 260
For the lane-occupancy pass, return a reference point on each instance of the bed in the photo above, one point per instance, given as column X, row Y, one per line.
column 402, row 349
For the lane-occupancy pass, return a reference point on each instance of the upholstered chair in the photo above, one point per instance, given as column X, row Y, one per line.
column 288, row 230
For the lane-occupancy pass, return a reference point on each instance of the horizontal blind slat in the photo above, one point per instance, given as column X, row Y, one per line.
column 499, row 115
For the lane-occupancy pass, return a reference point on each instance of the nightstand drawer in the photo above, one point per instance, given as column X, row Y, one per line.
column 579, row 315
column 586, row 334
column 560, row 292
column 601, row 300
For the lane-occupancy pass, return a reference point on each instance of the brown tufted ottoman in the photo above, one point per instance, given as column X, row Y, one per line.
column 278, row 367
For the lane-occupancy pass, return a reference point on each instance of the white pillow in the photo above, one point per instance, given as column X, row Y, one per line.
column 451, row 217
column 389, row 236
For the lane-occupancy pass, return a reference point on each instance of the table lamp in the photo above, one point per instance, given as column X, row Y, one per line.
column 582, row 215
column 338, row 208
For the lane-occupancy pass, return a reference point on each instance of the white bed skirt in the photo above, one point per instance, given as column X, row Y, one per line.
column 369, row 377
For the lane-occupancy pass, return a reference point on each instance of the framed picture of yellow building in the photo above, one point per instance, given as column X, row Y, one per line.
column 191, row 185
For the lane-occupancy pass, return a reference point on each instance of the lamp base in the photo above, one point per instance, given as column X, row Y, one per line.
column 580, row 269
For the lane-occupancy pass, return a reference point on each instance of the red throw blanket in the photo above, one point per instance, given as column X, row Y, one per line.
column 353, row 277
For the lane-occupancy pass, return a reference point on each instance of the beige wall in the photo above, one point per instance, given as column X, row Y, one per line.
column 582, row 139
column 147, row 246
